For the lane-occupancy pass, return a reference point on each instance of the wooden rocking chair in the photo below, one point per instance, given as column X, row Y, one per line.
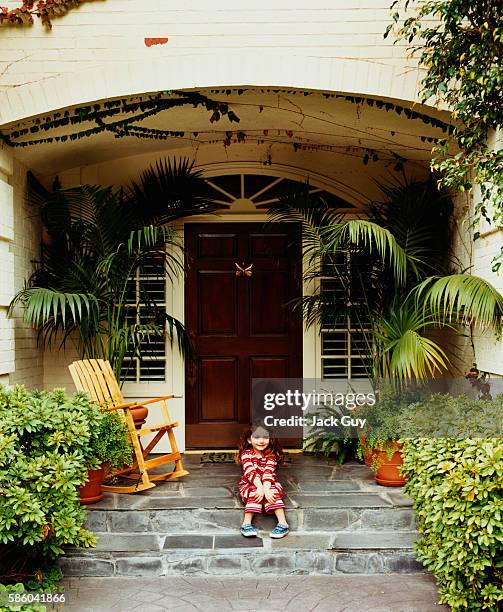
column 96, row 377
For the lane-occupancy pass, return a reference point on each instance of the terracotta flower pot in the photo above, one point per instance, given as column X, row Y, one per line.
column 91, row 491
column 139, row 416
column 388, row 470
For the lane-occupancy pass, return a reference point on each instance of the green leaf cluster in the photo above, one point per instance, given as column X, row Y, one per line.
column 384, row 420
column 457, row 488
column 14, row 589
column 48, row 441
column 443, row 415
column 453, row 460
column 459, row 44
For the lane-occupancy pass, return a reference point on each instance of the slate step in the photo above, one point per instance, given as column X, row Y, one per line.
column 222, row 498
column 340, row 522
column 243, row 562
column 228, row 520
column 313, row 553
column 343, row 540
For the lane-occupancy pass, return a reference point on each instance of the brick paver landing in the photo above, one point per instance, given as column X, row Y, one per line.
column 415, row 593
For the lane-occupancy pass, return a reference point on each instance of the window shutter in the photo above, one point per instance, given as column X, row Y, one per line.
column 146, row 302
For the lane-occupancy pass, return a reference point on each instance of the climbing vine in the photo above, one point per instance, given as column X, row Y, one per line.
column 459, row 44
column 122, row 116
column 45, row 10
column 103, row 117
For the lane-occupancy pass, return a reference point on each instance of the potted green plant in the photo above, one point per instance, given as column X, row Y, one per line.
column 110, row 448
column 380, row 446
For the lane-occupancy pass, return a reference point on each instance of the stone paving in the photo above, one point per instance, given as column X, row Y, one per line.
column 340, row 520
column 271, row 594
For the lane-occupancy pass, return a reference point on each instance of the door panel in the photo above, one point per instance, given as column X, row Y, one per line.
column 263, row 245
column 217, row 288
column 218, row 388
column 269, row 367
column 240, row 324
column 268, row 295
column 217, row 245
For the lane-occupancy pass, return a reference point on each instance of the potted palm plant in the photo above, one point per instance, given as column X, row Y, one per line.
column 390, row 274
column 97, row 240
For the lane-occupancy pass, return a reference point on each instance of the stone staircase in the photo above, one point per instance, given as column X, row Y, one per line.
column 340, row 520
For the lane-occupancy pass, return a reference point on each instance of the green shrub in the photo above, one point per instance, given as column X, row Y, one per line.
column 48, row 441
column 457, row 487
column 17, row 589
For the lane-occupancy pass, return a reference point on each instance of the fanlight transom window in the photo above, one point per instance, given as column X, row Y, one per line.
column 256, row 192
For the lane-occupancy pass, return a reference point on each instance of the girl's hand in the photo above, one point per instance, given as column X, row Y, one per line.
column 259, row 494
column 270, row 494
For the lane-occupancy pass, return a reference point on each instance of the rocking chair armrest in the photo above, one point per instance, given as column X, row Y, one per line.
column 122, row 406
column 156, row 399
column 129, row 405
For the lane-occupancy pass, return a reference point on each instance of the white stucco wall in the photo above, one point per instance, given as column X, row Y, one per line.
column 324, row 44
column 20, row 359
column 478, row 257
column 25, row 249
column 7, row 353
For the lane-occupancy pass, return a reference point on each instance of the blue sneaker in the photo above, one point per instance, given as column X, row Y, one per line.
column 280, row 531
column 248, row 531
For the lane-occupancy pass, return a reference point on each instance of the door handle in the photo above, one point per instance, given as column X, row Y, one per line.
column 242, row 271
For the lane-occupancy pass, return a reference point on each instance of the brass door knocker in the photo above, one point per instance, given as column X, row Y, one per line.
column 242, row 271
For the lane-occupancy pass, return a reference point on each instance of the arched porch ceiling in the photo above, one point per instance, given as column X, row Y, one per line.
column 276, row 126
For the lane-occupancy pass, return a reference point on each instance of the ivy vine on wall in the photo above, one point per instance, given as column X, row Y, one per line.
column 122, row 117
column 103, row 118
column 459, row 44
column 45, row 10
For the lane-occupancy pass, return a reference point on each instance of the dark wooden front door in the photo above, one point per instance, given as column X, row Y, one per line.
column 240, row 325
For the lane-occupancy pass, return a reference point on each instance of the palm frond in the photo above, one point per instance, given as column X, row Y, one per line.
column 363, row 233
column 41, row 304
column 416, row 356
column 418, row 214
column 404, row 351
column 312, row 212
column 169, row 190
column 462, row 297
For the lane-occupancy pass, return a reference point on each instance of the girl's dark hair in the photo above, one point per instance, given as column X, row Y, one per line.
column 274, row 447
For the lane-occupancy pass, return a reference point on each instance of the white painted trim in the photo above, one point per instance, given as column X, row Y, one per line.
column 285, row 171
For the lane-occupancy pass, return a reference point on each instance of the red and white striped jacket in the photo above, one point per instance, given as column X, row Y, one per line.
column 253, row 466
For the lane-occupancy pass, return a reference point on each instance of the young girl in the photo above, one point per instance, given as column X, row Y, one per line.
column 259, row 455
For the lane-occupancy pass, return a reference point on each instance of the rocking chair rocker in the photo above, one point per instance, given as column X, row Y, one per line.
column 96, row 377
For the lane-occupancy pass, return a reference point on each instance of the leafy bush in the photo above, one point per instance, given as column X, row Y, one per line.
column 48, row 441
column 442, row 415
column 45, row 585
column 17, row 589
column 456, row 483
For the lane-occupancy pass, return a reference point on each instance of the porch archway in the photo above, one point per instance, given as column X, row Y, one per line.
column 201, row 71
